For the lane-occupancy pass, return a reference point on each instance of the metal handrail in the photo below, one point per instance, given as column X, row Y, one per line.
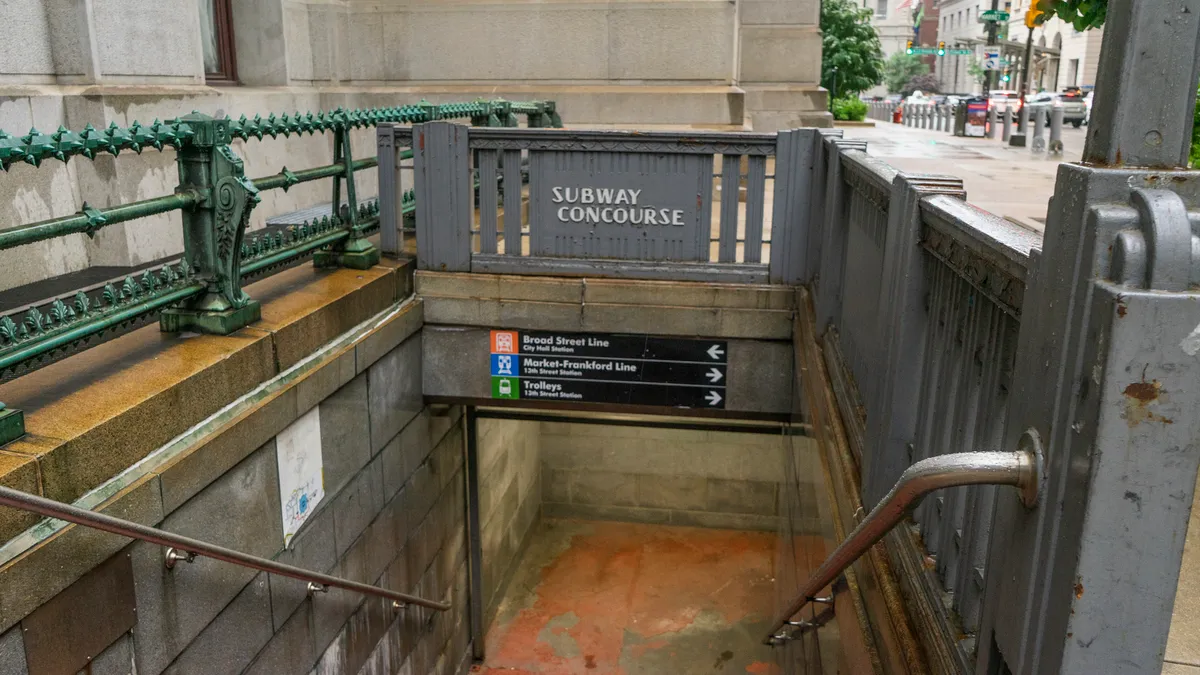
column 1021, row 469
column 186, row 548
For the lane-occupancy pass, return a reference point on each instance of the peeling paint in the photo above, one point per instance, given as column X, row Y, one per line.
column 1191, row 343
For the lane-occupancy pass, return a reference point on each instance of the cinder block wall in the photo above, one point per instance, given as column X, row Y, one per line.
column 510, row 499
column 392, row 515
column 669, row 476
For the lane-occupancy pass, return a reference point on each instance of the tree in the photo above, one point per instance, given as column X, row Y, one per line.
column 976, row 71
column 851, row 46
column 1083, row 14
column 926, row 83
column 900, row 69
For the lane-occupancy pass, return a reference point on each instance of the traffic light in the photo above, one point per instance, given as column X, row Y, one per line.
column 1034, row 17
column 1006, row 78
column 942, row 48
column 909, row 49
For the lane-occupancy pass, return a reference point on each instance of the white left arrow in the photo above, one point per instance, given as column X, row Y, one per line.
column 714, row 375
column 713, row 398
column 715, row 352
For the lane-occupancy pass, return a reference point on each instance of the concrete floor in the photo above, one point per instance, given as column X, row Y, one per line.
column 610, row 598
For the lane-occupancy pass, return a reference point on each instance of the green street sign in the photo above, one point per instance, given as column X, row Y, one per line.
column 993, row 15
column 923, row 51
column 959, row 52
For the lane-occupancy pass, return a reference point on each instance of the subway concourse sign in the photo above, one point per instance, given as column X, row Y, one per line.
column 606, row 368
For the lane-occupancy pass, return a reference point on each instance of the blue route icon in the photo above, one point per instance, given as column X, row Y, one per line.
column 506, row 365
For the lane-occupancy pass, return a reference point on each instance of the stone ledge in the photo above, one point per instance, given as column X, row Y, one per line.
column 42, row 561
column 93, row 415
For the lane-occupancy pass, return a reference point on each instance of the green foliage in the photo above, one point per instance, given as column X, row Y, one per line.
column 851, row 109
column 851, row 45
column 1083, row 14
column 1195, row 159
column 901, row 68
column 926, row 82
column 976, row 71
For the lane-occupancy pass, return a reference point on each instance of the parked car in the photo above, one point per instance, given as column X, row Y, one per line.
column 1005, row 98
column 1075, row 109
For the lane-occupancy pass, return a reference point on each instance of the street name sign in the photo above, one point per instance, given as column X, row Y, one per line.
column 608, row 368
column 993, row 15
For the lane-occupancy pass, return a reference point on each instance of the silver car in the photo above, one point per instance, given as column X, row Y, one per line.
column 1073, row 106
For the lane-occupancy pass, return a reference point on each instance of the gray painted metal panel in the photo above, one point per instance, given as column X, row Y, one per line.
column 813, row 235
column 391, row 239
column 618, row 205
column 442, row 180
column 487, row 162
column 1146, row 85
column 756, row 197
column 833, row 248
column 512, row 202
column 1078, row 366
column 731, row 172
column 791, row 214
column 622, row 269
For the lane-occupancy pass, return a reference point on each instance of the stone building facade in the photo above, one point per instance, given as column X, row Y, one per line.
column 713, row 63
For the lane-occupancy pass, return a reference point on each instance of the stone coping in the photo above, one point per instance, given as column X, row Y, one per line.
column 93, row 415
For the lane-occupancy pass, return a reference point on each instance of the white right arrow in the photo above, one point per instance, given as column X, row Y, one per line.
column 715, row 351
column 713, row 398
column 714, row 375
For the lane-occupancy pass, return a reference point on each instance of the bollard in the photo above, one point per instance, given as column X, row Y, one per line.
column 1039, row 131
column 926, row 116
column 1056, row 124
column 993, row 121
column 1023, row 124
column 945, row 110
column 1008, row 124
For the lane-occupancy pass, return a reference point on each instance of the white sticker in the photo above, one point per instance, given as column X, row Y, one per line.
column 301, row 471
column 1191, row 343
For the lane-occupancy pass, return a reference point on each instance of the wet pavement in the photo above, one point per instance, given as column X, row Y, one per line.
column 1010, row 182
column 609, row 598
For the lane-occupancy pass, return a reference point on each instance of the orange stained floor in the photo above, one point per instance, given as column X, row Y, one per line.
column 601, row 598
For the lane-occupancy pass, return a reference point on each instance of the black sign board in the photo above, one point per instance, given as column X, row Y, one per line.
column 603, row 368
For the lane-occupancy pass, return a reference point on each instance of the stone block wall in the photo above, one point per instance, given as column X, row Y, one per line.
column 74, row 599
column 668, row 476
column 510, row 498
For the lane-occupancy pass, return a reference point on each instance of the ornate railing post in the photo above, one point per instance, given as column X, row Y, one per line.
column 12, row 424
column 1107, row 377
column 213, row 230
column 356, row 251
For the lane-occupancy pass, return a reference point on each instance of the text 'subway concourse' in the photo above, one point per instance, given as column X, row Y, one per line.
column 603, row 368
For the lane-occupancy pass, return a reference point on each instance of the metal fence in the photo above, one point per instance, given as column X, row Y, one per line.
column 202, row 290
column 701, row 206
column 919, row 298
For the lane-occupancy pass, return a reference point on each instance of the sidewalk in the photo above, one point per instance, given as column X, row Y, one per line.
column 1010, row 182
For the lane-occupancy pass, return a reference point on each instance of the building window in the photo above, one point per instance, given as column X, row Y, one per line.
column 216, row 34
column 881, row 8
column 1073, row 73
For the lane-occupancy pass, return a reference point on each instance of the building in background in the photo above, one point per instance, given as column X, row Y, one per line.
column 960, row 28
column 1062, row 56
column 713, row 63
column 898, row 21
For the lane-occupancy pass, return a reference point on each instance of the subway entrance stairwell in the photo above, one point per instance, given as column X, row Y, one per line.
column 615, row 402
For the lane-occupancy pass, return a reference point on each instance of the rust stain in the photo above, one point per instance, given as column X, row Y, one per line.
column 1078, row 590
column 1138, row 397
column 1122, row 310
column 1144, row 391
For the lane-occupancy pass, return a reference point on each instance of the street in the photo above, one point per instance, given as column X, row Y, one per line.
column 1010, row 182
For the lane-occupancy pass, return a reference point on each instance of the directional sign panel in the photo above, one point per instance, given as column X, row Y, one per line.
column 605, row 368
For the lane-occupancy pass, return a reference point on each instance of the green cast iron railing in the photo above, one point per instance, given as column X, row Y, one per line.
column 202, row 291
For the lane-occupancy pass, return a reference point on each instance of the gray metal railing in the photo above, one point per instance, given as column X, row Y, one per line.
column 181, row 548
column 1021, row 469
column 918, row 299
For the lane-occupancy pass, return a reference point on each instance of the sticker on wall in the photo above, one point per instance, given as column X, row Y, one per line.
column 301, row 471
